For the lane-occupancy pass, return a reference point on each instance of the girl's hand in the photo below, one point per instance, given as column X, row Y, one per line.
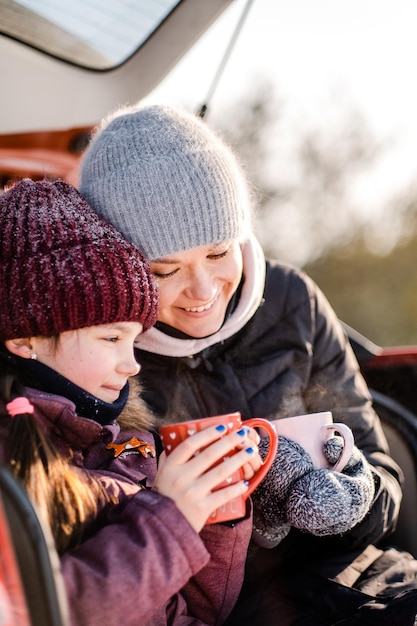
column 187, row 476
column 250, row 468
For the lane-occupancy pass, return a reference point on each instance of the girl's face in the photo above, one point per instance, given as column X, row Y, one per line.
column 99, row 359
column 195, row 286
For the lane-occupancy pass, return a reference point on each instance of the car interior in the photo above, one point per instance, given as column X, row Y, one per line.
column 37, row 588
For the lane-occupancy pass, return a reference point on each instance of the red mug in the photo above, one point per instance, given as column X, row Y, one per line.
column 173, row 434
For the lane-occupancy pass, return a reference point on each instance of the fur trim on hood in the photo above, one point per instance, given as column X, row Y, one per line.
column 136, row 415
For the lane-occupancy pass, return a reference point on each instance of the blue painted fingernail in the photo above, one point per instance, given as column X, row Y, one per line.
column 250, row 450
column 246, row 483
column 221, row 428
column 242, row 432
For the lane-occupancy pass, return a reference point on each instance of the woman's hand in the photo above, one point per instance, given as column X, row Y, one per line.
column 188, row 477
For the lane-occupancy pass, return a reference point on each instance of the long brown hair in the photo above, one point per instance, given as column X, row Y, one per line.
column 66, row 496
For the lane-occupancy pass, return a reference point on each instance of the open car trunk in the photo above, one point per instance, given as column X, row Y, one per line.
column 66, row 65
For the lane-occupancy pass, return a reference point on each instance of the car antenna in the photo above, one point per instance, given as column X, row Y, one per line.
column 203, row 108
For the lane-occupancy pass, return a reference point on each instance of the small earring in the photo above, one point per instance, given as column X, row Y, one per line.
column 33, row 356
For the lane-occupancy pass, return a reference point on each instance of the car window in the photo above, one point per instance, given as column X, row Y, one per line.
column 95, row 34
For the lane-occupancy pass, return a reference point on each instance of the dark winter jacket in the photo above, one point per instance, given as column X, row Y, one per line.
column 289, row 357
column 144, row 564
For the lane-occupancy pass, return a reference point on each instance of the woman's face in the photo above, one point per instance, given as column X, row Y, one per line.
column 195, row 286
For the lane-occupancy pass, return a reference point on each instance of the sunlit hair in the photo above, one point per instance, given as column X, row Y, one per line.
column 67, row 497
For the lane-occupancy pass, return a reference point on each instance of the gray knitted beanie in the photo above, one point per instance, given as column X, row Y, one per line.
column 165, row 180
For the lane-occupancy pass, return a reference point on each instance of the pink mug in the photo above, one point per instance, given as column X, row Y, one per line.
column 173, row 434
column 311, row 431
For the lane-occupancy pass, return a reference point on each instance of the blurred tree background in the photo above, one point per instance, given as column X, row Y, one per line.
column 311, row 212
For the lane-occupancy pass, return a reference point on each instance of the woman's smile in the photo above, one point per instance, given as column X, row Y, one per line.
column 202, row 308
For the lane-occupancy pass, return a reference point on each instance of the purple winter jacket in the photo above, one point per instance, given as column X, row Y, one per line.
column 144, row 564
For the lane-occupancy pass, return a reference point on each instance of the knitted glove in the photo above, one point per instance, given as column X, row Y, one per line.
column 269, row 522
column 325, row 502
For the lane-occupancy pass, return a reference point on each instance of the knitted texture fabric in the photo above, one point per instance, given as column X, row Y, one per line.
column 324, row 502
column 269, row 521
column 166, row 181
column 62, row 267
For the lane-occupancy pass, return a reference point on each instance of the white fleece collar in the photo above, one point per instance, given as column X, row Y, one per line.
column 157, row 342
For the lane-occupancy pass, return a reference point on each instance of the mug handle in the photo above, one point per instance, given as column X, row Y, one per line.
column 348, row 443
column 258, row 422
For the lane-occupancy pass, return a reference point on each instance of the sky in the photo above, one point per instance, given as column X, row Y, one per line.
column 314, row 52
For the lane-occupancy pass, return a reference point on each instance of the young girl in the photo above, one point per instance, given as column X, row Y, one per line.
column 134, row 549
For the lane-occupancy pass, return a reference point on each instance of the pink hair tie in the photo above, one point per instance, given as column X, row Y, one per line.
column 19, row 406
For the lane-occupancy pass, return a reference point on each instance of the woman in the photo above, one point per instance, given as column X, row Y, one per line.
column 236, row 333
column 131, row 537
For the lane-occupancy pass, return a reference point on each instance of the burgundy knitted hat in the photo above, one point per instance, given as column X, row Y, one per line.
column 62, row 267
